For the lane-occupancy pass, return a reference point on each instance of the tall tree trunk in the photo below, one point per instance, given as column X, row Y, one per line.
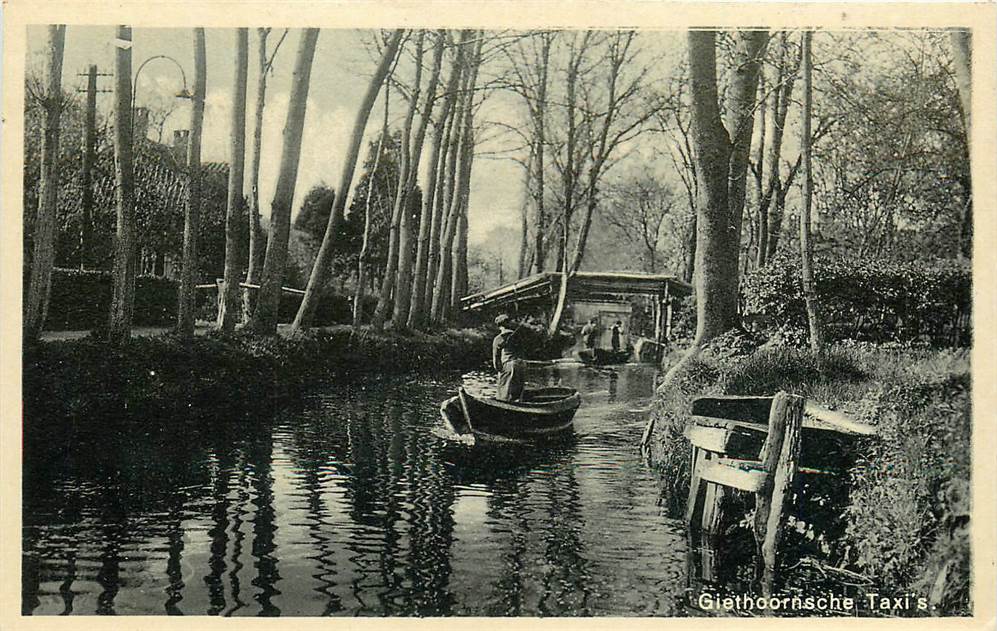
column 429, row 225
column 192, row 209
column 962, row 48
column 401, row 211
column 86, row 177
column 43, row 257
column 447, row 182
column 404, row 290
column 442, row 291
column 363, row 260
column 524, row 218
column 806, row 246
column 540, row 112
column 458, row 288
column 264, row 318
column 123, row 288
column 320, row 270
column 689, row 249
column 228, row 312
column 721, row 165
column 754, row 234
column 256, row 237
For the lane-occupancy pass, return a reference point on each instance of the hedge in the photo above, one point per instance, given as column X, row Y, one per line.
column 81, row 299
column 873, row 300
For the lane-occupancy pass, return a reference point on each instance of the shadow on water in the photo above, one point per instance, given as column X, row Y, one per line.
column 347, row 503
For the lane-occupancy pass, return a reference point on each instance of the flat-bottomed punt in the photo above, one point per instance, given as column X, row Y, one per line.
column 541, row 413
column 603, row 357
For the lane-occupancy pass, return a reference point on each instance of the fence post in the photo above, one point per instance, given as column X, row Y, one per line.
column 779, row 456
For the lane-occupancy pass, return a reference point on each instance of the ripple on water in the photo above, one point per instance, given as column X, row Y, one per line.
column 349, row 503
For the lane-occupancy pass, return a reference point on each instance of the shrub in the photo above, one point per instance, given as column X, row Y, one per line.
column 874, row 300
column 81, row 299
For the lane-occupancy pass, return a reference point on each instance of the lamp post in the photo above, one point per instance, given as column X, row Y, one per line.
column 184, row 93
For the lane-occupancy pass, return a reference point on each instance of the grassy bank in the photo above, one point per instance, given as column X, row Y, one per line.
column 79, row 379
column 905, row 525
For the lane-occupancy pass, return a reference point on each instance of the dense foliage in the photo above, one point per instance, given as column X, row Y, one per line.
column 872, row 300
column 81, row 299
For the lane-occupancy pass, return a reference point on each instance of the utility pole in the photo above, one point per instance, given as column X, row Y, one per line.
column 89, row 157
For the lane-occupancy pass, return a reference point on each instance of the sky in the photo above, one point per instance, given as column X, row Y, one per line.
column 340, row 73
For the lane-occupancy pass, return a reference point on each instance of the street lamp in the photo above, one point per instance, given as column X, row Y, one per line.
column 184, row 93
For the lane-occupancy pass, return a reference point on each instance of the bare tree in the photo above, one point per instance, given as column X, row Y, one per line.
column 363, row 260
column 228, row 300
column 429, row 222
column 256, row 236
column 401, row 210
column 404, row 283
column 463, row 153
column 637, row 211
column 264, row 319
column 446, row 170
column 192, row 209
column 773, row 188
column 320, row 269
column 43, row 257
column 123, row 286
column 721, row 156
column 806, row 245
column 962, row 49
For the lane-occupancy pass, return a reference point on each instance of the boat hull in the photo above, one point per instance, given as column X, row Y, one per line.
column 603, row 357
column 545, row 412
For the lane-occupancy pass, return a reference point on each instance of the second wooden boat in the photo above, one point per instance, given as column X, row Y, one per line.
column 603, row 357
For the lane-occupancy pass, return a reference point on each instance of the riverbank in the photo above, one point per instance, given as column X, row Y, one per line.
column 905, row 525
column 161, row 376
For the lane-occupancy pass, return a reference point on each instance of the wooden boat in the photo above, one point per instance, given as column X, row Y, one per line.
column 603, row 357
column 541, row 413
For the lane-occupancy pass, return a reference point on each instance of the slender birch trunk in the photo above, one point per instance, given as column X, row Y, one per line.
column 363, row 259
column 429, row 224
column 447, row 174
column 256, row 237
column 228, row 305
column 192, row 209
column 806, row 246
column 405, row 283
column 442, row 290
column 400, row 213
column 43, row 256
column 264, row 320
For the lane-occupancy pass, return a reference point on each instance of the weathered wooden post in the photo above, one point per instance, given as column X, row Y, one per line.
column 779, row 457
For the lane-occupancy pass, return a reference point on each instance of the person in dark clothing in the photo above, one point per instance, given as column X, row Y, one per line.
column 507, row 362
column 590, row 333
column 617, row 331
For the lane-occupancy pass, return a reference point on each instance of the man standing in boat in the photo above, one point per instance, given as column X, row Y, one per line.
column 590, row 333
column 507, row 361
column 617, row 332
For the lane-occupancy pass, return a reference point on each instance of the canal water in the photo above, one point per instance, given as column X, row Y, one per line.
column 350, row 502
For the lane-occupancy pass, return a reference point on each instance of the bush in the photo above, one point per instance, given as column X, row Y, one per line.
column 81, row 299
column 879, row 301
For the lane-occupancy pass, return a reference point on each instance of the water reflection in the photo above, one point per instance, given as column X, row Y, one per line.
column 348, row 504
